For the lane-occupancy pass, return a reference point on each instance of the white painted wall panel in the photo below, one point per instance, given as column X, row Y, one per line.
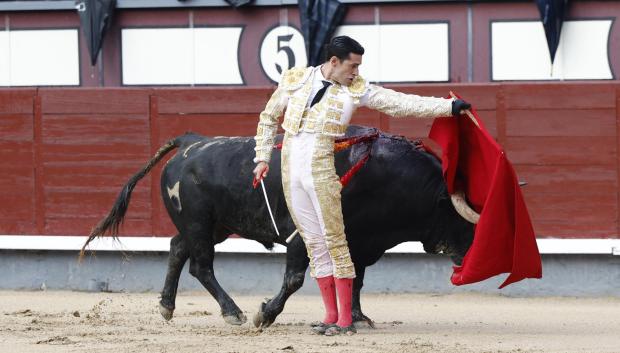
column 585, row 50
column 5, row 70
column 40, row 58
column 519, row 51
column 216, row 55
column 157, row 56
column 423, row 57
column 181, row 56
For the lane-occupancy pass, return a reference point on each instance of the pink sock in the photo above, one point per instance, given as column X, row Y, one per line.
column 328, row 292
column 344, row 287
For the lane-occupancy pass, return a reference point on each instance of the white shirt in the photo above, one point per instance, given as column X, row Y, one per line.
column 317, row 84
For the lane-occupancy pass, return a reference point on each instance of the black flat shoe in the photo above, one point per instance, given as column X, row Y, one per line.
column 316, row 323
column 321, row 327
column 335, row 330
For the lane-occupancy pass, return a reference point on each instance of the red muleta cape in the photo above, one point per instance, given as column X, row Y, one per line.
column 504, row 239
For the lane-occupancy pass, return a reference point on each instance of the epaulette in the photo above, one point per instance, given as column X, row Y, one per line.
column 357, row 88
column 295, row 77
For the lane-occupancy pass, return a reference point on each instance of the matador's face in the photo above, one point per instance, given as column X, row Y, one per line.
column 345, row 71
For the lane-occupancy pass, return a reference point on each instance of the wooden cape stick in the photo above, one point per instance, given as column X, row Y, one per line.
column 467, row 111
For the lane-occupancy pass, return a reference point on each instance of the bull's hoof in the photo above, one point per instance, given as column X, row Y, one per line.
column 165, row 312
column 258, row 319
column 362, row 321
column 363, row 325
column 237, row 320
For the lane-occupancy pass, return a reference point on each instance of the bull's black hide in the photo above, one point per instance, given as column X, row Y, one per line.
column 398, row 196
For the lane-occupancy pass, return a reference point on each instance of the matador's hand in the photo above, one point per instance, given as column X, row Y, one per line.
column 458, row 105
column 261, row 170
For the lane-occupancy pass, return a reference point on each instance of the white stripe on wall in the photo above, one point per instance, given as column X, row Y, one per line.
column 238, row 245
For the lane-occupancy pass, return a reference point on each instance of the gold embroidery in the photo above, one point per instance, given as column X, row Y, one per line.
column 333, row 129
column 327, row 187
column 296, row 108
column 333, row 115
column 293, row 78
column 335, row 104
column 324, row 117
column 398, row 104
column 288, row 125
column 268, row 125
column 308, row 125
column 357, row 88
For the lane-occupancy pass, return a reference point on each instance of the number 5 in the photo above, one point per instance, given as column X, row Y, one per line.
column 279, row 44
column 287, row 50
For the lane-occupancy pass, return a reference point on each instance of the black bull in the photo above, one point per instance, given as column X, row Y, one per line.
column 398, row 196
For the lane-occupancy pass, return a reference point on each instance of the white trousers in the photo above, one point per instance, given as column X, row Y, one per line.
column 314, row 200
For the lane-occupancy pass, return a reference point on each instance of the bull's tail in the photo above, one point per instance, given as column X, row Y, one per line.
column 110, row 224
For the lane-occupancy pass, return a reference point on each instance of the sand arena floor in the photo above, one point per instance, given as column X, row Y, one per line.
column 58, row 321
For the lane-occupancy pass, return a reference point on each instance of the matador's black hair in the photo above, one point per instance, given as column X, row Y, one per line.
column 341, row 47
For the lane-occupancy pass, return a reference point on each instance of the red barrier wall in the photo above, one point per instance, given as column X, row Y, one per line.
column 65, row 153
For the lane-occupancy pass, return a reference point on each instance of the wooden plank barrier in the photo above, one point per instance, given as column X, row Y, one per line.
column 65, row 153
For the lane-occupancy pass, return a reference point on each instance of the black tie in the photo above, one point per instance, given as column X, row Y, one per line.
column 320, row 93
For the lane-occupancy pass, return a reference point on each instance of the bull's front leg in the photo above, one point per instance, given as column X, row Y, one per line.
column 296, row 265
column 359, row 319
column 179, row 253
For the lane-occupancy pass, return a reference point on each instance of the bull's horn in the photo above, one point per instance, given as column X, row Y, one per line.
column 462, row 208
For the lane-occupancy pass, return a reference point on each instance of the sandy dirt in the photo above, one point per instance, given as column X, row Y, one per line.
column 119, row 322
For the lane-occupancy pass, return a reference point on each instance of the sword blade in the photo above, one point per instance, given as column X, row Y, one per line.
column 290, row 237
column 269, row 207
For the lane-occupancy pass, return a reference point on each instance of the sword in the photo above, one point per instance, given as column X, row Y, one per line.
column 269, row 207
column 273, row 220
column 290, row 237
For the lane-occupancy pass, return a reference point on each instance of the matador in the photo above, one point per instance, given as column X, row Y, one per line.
column 319, row 102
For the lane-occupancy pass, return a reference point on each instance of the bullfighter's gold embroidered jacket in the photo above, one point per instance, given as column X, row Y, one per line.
column 332, row 114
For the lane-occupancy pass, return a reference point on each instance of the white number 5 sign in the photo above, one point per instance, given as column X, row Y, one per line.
column 282, row 48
